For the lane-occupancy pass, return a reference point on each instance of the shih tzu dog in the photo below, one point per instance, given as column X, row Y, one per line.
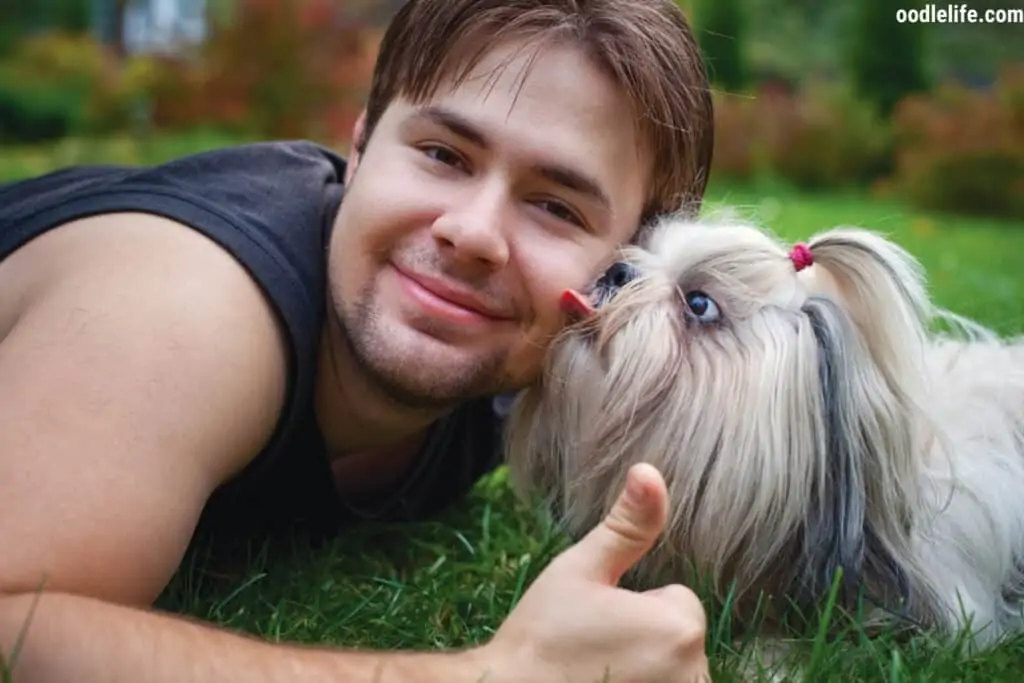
column 809, row 414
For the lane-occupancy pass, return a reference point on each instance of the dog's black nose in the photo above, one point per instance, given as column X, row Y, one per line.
column 618, row 275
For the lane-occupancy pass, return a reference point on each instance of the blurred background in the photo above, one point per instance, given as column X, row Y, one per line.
column 810, row 95
column 828, row 113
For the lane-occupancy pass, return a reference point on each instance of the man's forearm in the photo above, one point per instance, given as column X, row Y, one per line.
column 72, row 638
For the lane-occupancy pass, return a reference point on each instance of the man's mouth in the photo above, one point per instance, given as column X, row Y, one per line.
column 444, row 301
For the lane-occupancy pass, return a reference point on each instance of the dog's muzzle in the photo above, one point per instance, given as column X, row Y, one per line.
column 618, row 275
column 583, row 304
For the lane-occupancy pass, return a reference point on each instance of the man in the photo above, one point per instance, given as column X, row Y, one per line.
column 226, row 337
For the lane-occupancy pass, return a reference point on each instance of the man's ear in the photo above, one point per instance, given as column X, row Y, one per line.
column 358, row 143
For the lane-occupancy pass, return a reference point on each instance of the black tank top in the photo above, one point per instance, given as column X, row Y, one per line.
column 271, row 206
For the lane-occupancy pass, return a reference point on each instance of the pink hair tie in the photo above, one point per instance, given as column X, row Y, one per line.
column 801, row 256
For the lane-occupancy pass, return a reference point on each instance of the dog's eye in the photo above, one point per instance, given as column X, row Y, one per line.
column 702, row 306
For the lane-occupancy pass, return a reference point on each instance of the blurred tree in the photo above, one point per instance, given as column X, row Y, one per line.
column 219, row 11
column 271, row 69
column 20, row 18
column 886, row 58
column 108, row 23
column 796, row 41
column 976, row 53
column 721, row 32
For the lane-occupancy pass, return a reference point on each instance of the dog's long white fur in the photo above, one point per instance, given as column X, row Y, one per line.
column 822, row 422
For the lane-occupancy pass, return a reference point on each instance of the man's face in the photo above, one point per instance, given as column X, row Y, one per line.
column 470, row 214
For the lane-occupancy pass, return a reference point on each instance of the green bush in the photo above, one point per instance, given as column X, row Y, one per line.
column 720, row 29
column 737, row 137
column 885, row 59
column 56, row 84
column 816, row 138
column 827, row 138
column 19, row 18
column 31, row 111
column 962, row 150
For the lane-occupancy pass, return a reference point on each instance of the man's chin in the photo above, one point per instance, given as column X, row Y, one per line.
column 418, row 369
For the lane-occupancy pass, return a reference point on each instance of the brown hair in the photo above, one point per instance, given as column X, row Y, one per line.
column 646, row 46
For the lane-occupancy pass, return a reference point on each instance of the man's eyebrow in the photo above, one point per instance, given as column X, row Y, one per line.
column 557, row 173
column 575, row 181
column 454, row 122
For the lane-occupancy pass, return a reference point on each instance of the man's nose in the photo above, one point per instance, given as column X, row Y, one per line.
column 475, row 230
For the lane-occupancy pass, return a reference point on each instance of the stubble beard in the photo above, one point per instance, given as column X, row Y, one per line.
column 401, row 375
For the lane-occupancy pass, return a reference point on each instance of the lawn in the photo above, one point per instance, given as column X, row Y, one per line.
column 450, row 581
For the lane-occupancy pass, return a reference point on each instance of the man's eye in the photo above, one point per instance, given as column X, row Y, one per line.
column 560, row 211
column 443, row 154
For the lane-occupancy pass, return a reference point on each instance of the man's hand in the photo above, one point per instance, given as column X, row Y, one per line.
column 578, row 626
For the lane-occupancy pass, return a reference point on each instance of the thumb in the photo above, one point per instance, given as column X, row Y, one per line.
column 629, row 530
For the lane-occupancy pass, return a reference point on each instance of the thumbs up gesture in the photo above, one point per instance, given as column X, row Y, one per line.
column 576, row 625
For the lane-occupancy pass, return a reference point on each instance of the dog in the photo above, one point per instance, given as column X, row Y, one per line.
column 824, row 429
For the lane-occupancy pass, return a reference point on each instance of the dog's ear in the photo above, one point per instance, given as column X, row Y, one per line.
column 859, row 513
column 881, row 287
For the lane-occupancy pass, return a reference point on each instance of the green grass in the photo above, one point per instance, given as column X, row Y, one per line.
column 449, row 582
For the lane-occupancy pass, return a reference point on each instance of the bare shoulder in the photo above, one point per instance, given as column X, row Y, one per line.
column 140, row 367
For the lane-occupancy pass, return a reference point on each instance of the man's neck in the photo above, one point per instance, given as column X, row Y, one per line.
column 371, row 440
column 353, row 414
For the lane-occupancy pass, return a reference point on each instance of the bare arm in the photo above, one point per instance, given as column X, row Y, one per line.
column 72, row 638
column 132, row 384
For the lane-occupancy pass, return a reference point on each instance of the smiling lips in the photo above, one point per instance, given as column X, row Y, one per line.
column 443, row 301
